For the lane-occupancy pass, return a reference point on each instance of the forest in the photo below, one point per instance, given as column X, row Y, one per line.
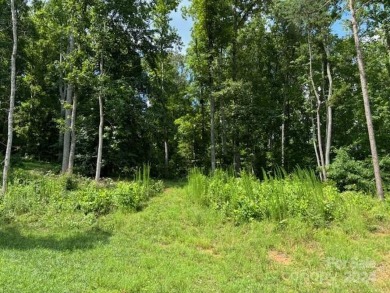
column 262, row 85
column 271, row 127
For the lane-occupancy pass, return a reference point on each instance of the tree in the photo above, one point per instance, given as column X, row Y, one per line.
column 68, row 115
column 101, row 127
column 165, row 39
column 366, row 99
column 212, row 27
column 315, row 20
column 7, row 160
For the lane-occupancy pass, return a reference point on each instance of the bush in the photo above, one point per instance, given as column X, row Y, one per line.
column 126, row 195
column 131, row 195
column 28, row 193
column 351, row 174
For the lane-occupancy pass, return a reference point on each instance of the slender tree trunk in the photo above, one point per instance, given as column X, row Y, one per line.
column 212, row 131
column 318, row 116
column 72, row 151
column 367, row 109
column 203, row 118
column 223, row 126
column 100, row 144
column 62, row 90
column 101, row 128
column 68, row 115
column 329, row 125
column 236, row 140
column 329, row 116
column 315, row 148
column 7, row 160
column 210, row 89
column 165, row 124
column 319, row 140
column 166, row 156
column 208, row 26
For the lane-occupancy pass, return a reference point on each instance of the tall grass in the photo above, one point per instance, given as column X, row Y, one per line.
column 142, row 175
column 197, row 185
column 278, row 197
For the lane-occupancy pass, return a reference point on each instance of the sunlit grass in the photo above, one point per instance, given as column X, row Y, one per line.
column 184, row 241
column 174, row 245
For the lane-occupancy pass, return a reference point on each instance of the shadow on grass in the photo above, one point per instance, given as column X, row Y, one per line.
column 179, row 183
column 11, row 238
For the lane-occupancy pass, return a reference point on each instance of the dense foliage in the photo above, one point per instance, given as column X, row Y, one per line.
column 263, row 84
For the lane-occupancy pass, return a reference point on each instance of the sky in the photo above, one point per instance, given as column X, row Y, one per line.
column 182, row 26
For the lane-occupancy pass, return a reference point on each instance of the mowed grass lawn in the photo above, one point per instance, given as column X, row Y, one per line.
column 175, row 245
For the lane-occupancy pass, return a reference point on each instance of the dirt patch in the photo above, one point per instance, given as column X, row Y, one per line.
column 208, row 250
column 382, row 273
column 381, row 232
column 164, row 244
column 279, row 257
column 314, row 248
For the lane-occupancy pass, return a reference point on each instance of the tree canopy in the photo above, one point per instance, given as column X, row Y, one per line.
column 262, row 85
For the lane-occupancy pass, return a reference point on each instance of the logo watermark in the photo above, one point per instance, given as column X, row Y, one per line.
column 358, row 271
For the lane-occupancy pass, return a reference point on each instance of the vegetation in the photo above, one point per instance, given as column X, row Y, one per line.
column 299, row 195
column 176, row 244
column 40, row 194
column 103, row 87
column 97, row 89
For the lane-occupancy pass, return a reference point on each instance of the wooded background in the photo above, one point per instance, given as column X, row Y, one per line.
column 263, row 84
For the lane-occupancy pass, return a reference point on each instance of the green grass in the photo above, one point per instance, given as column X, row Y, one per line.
column 177, row 245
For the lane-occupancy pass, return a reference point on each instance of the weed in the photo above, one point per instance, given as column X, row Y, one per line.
column 278, row 197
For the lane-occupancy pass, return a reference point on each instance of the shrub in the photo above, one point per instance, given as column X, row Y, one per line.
column 131, row 195
column 351, row 174
column 28, row 193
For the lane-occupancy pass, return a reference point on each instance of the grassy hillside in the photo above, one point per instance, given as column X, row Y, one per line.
column 176, row 245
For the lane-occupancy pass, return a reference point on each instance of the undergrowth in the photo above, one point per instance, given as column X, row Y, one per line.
column 41, row 193
column 281, row 197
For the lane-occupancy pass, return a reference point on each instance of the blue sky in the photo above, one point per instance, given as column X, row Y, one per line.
column 182, row 26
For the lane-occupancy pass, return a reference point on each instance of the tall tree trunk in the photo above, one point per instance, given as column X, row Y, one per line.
column 236, row 140
column 62, row 89
column 100, row 144
column 166, row 156
column 101, row 128
column 7, row 160
column 72, row 151
column 318, row 117
column 212, row 131
column 315, row 147
column 165, row 124
column 283, row 139
column 319, row 140
column 329, row 116
column 329, row 124
column 203, row 117
column 210, row 59
column 367, row 109
column 68, row 114
column 223, row 130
